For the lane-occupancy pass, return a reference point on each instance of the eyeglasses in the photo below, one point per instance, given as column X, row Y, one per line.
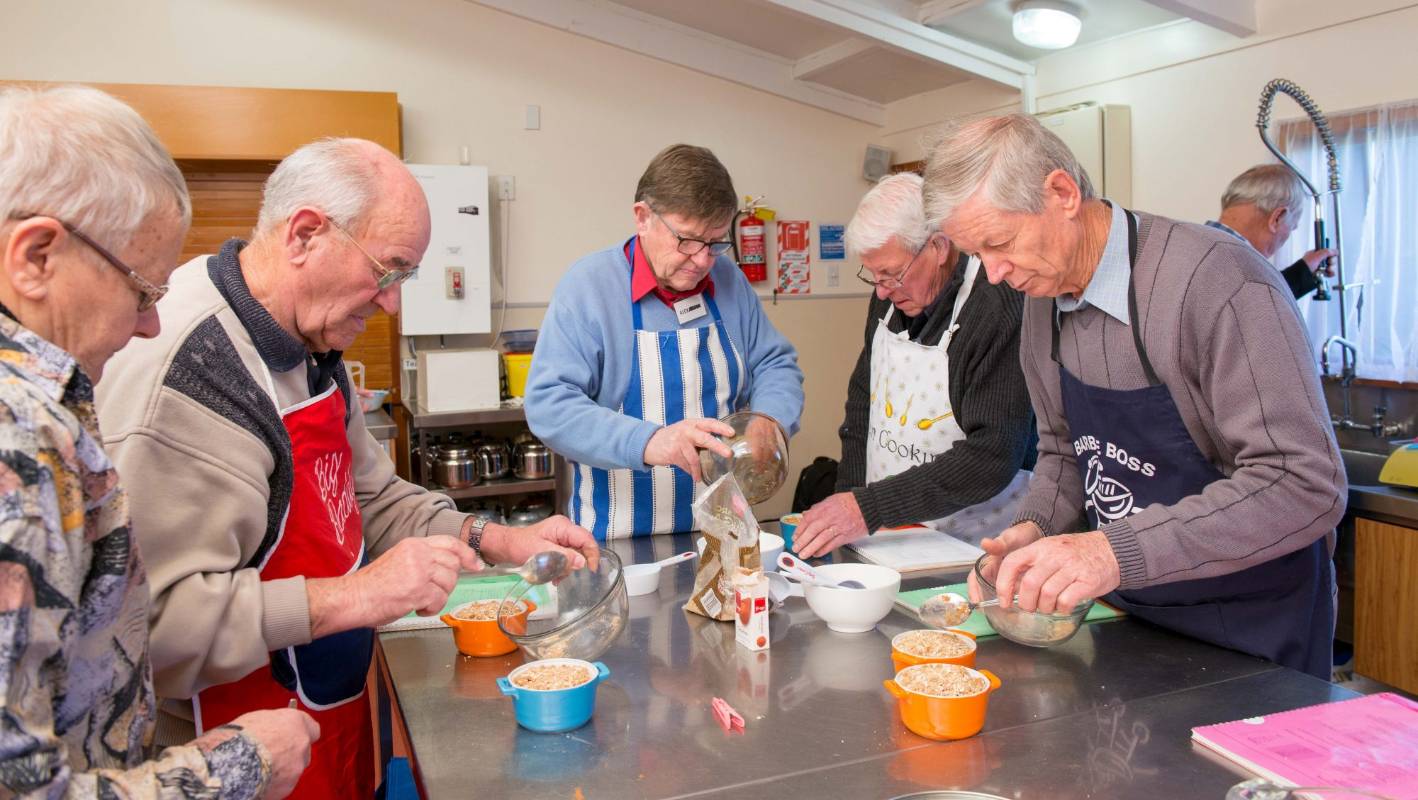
column 148, row 293
column 891, row 284
column 692, row 247
column 385, row 277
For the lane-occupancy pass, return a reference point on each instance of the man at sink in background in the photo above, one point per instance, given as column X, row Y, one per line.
column 1261, row 207
column 1181, row 425
column 647, row 344
column 942, row 342
column 276, row 534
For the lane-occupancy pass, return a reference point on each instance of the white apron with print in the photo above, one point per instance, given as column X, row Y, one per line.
column 910, row 421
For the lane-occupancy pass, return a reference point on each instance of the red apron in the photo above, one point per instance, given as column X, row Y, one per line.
column 321, row 537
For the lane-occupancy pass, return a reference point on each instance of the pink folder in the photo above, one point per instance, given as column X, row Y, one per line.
column 1368, row 743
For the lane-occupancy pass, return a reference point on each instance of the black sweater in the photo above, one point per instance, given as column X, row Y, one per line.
column 987, row 393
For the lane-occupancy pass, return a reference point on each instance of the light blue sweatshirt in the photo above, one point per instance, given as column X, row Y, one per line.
column 581, row 367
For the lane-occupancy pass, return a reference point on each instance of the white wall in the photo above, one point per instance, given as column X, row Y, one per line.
column 463, row 74
column 1194, row 91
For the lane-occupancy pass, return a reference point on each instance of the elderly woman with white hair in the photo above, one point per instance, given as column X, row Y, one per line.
column 1262, row 207
column 938, row 428
column 1187, row 469
column 92, row 216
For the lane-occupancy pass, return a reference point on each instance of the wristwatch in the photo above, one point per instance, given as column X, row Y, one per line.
column 475, row 534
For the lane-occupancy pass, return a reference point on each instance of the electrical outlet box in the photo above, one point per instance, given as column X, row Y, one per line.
column 506, row 187
column 453, row 282
column 410, row 363
column 834, row 275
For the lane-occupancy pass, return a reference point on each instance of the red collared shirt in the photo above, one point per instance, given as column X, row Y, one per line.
column 643, row 282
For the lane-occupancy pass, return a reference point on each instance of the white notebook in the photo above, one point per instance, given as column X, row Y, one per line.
column 916, row 549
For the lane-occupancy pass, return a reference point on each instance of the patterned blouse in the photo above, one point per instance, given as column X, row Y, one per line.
column 78, row 707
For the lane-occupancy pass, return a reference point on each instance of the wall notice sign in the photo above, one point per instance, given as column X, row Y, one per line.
column 831, row 246
column 794, row 257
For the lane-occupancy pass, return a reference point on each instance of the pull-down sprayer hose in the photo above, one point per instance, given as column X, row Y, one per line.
column 1267, row 99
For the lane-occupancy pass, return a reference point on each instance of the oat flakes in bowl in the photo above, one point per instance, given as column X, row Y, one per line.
column 932, row 647
column 482, row 610
column 551, row 677
column 943, row 701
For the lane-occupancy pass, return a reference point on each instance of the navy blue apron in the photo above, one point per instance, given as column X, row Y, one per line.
column 675, row 375
column 1281, row 610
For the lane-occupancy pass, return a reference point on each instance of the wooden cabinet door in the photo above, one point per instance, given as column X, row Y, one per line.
column 1386, row 603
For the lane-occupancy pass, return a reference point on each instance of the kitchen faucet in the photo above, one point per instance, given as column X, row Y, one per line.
column 1349, row 357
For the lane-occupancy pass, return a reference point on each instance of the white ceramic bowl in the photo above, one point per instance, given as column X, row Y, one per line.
column 854, row 610
column 641, row 579
column 770, row 545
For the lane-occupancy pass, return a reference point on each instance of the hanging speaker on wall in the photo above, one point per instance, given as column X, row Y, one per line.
column 877, row 163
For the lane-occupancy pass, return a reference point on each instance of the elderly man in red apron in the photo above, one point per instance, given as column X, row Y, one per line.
column 276, row 534
column 1181, row 423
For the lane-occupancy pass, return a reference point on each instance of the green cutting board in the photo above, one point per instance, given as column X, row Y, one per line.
column 977, row 624
column 468, row 589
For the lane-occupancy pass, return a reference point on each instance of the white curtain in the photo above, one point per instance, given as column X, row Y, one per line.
column 1378, row 162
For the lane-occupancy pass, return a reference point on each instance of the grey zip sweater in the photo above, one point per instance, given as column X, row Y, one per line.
column 987, row 392
column 1223, row 334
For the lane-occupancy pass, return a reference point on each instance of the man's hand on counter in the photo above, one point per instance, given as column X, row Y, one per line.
column 678, row 445
column 1056, row 573
column 828, row 525
column 417, row 574
column 506, row 545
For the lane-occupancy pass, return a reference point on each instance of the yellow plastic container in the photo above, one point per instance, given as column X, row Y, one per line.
column 517, row 366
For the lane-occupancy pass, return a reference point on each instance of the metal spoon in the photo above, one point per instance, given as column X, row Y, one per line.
column 796, row 568
column 541, row 568
column 950, row 609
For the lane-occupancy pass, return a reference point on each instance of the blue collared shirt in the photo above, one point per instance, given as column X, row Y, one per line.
column 1107, row 290
column 1221, row 226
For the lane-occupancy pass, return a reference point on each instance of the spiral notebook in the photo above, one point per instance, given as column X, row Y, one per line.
column 1368, row 743
column 915, row 549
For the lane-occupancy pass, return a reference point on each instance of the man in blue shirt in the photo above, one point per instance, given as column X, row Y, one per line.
column 646, row 344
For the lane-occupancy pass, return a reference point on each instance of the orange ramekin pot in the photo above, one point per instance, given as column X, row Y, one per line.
column 943, row 718
column 903, row 660
column 481, row 637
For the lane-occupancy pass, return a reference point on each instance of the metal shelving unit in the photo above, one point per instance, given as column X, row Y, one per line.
column 424, row 423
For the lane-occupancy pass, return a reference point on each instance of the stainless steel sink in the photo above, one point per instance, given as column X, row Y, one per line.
column 1363, row 468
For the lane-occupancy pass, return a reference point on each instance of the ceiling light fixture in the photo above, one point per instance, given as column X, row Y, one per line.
column 1047, row 24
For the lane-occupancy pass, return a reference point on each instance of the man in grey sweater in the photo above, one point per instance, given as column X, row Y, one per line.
column 1187, row 471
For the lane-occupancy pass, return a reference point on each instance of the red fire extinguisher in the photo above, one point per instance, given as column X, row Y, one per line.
column 752, row 247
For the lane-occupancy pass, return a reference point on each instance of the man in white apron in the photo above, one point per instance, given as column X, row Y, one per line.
column 938, row 429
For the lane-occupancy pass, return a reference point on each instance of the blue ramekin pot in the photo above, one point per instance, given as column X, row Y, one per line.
column 554, row 711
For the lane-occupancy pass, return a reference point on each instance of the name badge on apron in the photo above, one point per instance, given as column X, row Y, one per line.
column 690, row 308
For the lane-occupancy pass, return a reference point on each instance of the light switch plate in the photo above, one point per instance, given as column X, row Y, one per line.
column 506, row 187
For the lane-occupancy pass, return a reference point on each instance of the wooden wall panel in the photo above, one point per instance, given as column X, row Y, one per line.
column 1386, row 603
column 248, row 124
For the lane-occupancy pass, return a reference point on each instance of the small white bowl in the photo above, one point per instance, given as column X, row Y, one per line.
column 770, row 545
column 641, row 578
column 854, row 610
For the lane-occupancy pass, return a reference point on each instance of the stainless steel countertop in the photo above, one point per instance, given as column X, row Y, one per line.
column 380, row 425
column 817, row 715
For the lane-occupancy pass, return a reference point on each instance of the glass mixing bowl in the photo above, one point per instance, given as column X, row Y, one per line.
column 590, row 613
column 759, row 461
column 1027, row 627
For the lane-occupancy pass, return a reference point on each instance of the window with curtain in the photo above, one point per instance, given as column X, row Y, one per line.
column 1377, row 150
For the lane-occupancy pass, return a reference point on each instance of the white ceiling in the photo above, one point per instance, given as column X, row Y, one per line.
column 989, row 23
column 853, row 56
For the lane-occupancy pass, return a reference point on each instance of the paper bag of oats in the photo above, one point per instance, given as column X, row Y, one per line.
column 730, row 536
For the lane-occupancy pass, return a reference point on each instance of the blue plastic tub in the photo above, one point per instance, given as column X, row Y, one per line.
column 554, row 711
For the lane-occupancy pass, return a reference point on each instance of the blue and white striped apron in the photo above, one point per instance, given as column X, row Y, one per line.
column 677, row 374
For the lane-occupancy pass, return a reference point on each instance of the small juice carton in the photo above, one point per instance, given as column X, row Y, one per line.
column 751, row 608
